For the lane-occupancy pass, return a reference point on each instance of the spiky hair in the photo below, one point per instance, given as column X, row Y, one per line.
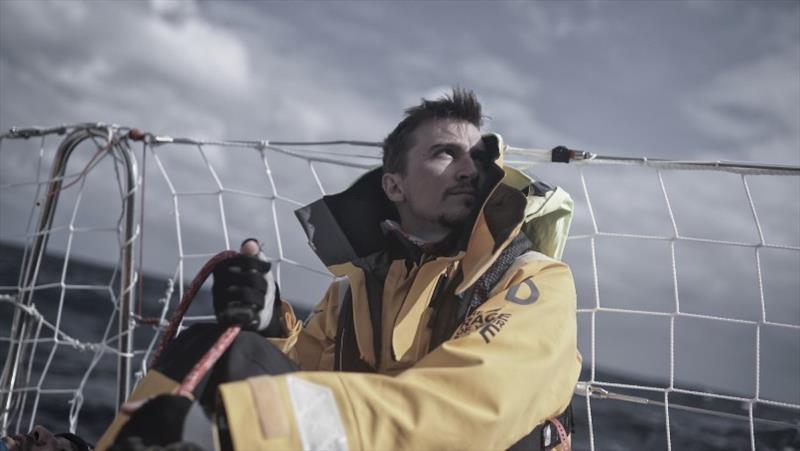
column 461, row 105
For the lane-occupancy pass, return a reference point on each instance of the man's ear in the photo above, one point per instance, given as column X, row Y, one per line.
column 393, row 187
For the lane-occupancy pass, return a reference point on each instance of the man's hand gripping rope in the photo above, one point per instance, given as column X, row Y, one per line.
column 245, row 297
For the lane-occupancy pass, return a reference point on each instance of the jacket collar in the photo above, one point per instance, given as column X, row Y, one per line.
column 414, row 244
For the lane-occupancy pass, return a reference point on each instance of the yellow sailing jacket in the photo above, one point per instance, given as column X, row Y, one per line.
column 509, row 365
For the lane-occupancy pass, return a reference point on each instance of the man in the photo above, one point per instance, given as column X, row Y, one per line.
column 451, row 324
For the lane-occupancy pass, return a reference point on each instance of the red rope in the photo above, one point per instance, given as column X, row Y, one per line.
column 562, row 434
column 209, row 359
column 202, row 367
column 187, row 299
column 140, row 298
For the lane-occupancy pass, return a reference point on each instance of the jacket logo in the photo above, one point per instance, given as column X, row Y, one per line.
column 524, row 293
column 487, row 324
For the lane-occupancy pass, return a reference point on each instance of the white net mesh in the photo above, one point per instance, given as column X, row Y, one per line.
column 689, row 300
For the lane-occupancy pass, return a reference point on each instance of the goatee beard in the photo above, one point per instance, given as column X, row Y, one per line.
column 458, row 222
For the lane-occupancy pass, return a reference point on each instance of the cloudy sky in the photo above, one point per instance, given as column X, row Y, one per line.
column 701, row 80
column 659, row 79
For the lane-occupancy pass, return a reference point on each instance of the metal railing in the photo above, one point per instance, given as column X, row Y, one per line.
column 116, row 143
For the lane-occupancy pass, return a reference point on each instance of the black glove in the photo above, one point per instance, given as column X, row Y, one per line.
column 246, row 293
column 166, row 420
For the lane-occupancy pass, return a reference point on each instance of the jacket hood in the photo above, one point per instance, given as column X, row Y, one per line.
column 344, row 228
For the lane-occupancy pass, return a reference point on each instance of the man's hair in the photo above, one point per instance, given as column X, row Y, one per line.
column 462, row 105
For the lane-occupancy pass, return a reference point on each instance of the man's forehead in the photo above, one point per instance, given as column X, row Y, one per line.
column 447, row 131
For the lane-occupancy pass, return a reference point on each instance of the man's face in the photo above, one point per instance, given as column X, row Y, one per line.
column 445, row 174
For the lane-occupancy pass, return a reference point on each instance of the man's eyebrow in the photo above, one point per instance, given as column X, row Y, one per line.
column 445, row 145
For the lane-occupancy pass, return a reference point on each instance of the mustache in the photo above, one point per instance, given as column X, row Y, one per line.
column 470, row 187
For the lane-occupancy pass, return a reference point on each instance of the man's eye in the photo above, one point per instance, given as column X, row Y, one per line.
column 481, row 156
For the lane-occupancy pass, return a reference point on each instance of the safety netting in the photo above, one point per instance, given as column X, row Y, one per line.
column 686, row 271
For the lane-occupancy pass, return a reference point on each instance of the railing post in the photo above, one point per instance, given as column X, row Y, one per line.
column 127, row 273
column 21, row 324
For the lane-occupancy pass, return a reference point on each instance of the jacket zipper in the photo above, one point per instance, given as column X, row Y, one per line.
column 341, row 351
column 441, row 284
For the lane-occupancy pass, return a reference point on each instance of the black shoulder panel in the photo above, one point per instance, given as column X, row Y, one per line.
column 344, row 226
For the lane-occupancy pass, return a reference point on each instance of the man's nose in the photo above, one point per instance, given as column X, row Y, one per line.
column 467, row 168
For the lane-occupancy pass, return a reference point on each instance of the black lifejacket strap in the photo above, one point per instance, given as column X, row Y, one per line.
column 445, row 316
column 347, row 356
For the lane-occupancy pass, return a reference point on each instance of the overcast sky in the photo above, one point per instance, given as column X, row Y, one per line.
column 659, row 79
column 702, row 80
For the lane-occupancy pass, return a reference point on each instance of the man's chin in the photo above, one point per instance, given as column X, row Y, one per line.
column 455, row 220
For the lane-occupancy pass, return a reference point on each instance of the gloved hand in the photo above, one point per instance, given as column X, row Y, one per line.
column 246, row 293
column 166, row 420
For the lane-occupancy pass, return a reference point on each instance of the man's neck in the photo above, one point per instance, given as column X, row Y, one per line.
column 426, row 231
column 414, row 246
